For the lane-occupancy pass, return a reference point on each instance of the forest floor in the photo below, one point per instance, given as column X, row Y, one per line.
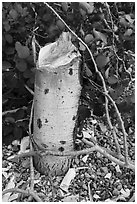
column 96, row 177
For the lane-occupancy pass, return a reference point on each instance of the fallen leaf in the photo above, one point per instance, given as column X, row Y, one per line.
column 108, row 175
column 11, row 184
column 118, row 169
column 128, row 32
column 70, row 175
column 86, row 134
column 24, row 144
column 96, row 196
column 102, row 127
column 84, row 159
column 72, row 198
column 125, row 192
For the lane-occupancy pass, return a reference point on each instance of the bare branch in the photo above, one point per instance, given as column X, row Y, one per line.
column 102, row 79
column 26, row 192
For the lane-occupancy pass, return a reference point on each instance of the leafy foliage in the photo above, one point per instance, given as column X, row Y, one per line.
column 109, row 32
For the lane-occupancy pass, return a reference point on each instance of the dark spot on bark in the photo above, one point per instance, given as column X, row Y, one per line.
column 71, row 71
column 74, row 117
column 46, row 91
column 62, row 101
column 51, row 127
column 63, row 142
column 58, row 88
column 61, row 149
column 55, row 72
column 46, row 121
column 39, row 123
column 44, row 145
column 71, row 92
column 62, row 96
column 60, row 80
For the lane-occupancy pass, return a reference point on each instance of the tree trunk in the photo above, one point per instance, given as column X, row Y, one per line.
column 56, row 100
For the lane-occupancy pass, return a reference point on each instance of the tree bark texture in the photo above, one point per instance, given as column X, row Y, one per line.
column 56, row 100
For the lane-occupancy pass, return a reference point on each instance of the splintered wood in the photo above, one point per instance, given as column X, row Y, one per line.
column 56, row 100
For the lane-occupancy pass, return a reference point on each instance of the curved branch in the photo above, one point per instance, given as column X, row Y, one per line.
column 26, row 192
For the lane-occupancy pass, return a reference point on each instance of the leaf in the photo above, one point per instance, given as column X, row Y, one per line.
column 96, row 196
column 132, row 98
column 8, row 129
column 64, row 6
column 128, row 32
column 60, row 25
column 18, row 132
column 13, row 13
column 102, row 127
column 128, row 17
column 82, row 47
column 27, row 73
column 6, row 26
column 84, row 159
column 87, row 7
column 6, row 66
column 9, row 50
column 9, row 38
column 11, row 184
column 108, row 175
column 9, row 120
column 123, row 22
column 118, row 169
column 125, row 192
column 23, row 51
column 72, row 198
column 113, row 79
column 21, row 65
column 19, row 114
column 86, row 134
column 102, row 61
column 100, row 36
column 89, row 38
column 67, row 179
column 24, row 144
column 87, row 70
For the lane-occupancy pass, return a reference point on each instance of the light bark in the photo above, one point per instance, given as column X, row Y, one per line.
column 56, row 100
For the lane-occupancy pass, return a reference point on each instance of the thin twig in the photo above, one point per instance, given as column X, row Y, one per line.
column 32, row 92
column 89, row 192
column 13, row 111
column 26, row 192
column 122, row 126
column 113, row 43
column 106, row 152
column 31, row 149
column 112, row 128
column 102, row 79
